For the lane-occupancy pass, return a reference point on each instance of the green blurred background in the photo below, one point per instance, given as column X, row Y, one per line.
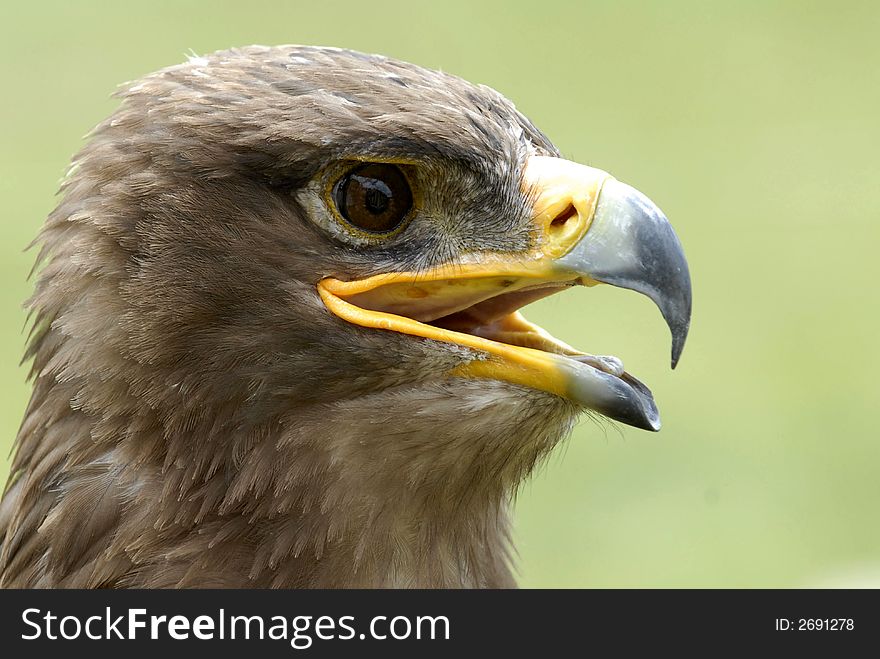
column 755, row 126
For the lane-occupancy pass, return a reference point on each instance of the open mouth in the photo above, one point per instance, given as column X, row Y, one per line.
column 482, row 313
column 618, row 238
column 498, row 319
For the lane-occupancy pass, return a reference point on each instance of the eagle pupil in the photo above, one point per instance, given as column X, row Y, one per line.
column 378, row 199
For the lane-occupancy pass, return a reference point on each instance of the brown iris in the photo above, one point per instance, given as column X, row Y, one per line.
column 374, row 197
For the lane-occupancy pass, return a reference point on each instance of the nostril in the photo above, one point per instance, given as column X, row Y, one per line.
column 560, row 220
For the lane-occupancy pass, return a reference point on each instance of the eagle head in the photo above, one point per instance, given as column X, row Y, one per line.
column 277, row 338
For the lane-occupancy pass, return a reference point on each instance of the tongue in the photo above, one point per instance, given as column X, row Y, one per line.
column 495, row 308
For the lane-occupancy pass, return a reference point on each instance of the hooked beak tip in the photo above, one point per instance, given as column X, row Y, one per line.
column 631, row 244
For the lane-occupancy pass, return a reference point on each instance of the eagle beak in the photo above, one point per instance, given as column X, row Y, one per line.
column 631, row 244
column 590, row 229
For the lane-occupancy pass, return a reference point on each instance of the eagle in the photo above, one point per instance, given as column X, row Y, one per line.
column 275, row 335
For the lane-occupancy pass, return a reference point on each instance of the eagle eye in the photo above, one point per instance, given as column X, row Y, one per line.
column 373, row 197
